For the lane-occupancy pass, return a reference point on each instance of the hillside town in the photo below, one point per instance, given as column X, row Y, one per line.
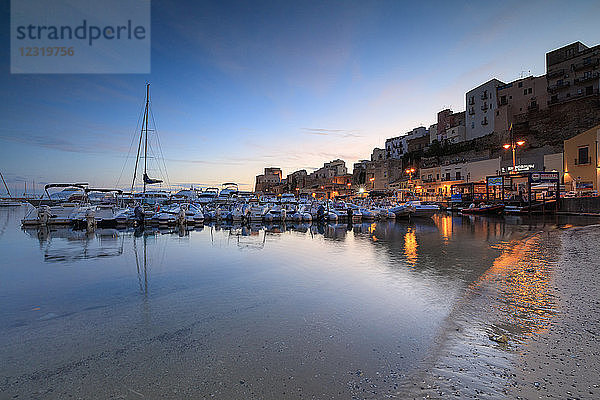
column 547, row 123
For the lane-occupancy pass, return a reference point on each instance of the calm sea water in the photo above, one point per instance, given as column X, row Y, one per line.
column 293, row 311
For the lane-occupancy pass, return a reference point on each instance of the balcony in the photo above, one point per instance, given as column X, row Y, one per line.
column 533, row 107
column 586, row 64
column 583, row 161
column 471, row 111
column 587, row 78
column 484, row 122
column 484, row 107
column 484, row 96
column 558, row 86
column 555, row 74
column 471, row 101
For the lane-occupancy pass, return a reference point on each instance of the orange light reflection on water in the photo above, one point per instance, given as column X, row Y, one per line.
column 410, row 246
column 525, row 292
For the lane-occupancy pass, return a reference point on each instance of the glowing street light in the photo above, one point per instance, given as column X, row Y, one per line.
column 410, row 171
column 514, row 146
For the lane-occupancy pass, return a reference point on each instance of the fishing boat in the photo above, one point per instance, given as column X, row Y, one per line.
column 492, row 209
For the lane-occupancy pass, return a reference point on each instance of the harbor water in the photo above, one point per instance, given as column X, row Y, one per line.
column 269, row 311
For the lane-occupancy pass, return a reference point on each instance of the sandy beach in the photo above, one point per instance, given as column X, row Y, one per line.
column 563, row 361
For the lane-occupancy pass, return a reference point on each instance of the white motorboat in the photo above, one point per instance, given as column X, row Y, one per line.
column 257, row 212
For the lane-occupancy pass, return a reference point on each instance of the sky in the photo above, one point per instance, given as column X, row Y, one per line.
column 240, row 86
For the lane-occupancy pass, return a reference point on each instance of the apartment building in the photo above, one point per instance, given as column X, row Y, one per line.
column 518, row 97
column 481, row 107
column 432, row 133
column 396, row 147
column 451, row 126
column 573, row 71
column 378, row 154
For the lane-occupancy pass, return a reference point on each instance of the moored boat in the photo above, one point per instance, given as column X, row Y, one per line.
column 485, row 209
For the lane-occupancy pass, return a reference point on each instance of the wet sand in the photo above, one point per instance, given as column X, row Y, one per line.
column 527, row 329
column 563, row 362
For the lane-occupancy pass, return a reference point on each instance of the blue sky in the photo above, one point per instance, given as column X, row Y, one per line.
column 239, row 86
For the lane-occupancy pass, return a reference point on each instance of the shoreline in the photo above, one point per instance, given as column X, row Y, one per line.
column 563, row 361
column 527, row 330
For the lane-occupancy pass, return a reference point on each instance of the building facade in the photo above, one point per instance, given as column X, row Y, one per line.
column 268, row 180
column 378, row 154
column 396, row 147
column 480, row 108
column 451, row 126
column 519, row 97
column 581, row 167
column 573, row 71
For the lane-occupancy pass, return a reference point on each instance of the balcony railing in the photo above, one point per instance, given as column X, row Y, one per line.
column 586, row 78
column 484, row 122
column 471, row 101
column 484, row 96
column 586, row 64
column 555, row 74
column 471, row 111
column 484, row 107
column 558, row 86
column 583, row 161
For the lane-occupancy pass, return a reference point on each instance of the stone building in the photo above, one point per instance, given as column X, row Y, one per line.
column 268, row 180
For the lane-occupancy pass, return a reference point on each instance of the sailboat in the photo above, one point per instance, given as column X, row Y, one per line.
column 147, row 196
column 10, row 202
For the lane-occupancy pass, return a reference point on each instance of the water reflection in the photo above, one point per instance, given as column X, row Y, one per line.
column 410, row 246
column 268, row 304
column 65, row 245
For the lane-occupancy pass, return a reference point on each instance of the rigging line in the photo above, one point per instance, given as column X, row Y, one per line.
column 166, row 174
column 130, row 147
column 160, row 148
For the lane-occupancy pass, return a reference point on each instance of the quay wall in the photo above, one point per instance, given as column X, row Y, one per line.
column 577, row 205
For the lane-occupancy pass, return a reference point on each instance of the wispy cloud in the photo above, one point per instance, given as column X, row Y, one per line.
column 345, row 133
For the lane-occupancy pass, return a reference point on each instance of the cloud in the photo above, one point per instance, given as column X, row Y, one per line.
column 345, row 133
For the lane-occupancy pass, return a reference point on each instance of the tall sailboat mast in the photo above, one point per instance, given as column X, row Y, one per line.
column 5, row 185
column 146, row 140
column 144, row 136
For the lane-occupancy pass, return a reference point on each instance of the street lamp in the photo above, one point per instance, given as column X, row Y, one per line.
column 513, row 144
column 410, row 171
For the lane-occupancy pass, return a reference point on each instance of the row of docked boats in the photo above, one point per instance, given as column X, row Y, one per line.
column 85, row 207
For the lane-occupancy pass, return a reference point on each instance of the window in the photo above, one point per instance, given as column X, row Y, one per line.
column 458, row 177
column 524, row 91
column 438, row 177
column 583, row 155
column 589, row 90
column 447, row 176
column 529, row 90
column 520, row 84
column 503, row 100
